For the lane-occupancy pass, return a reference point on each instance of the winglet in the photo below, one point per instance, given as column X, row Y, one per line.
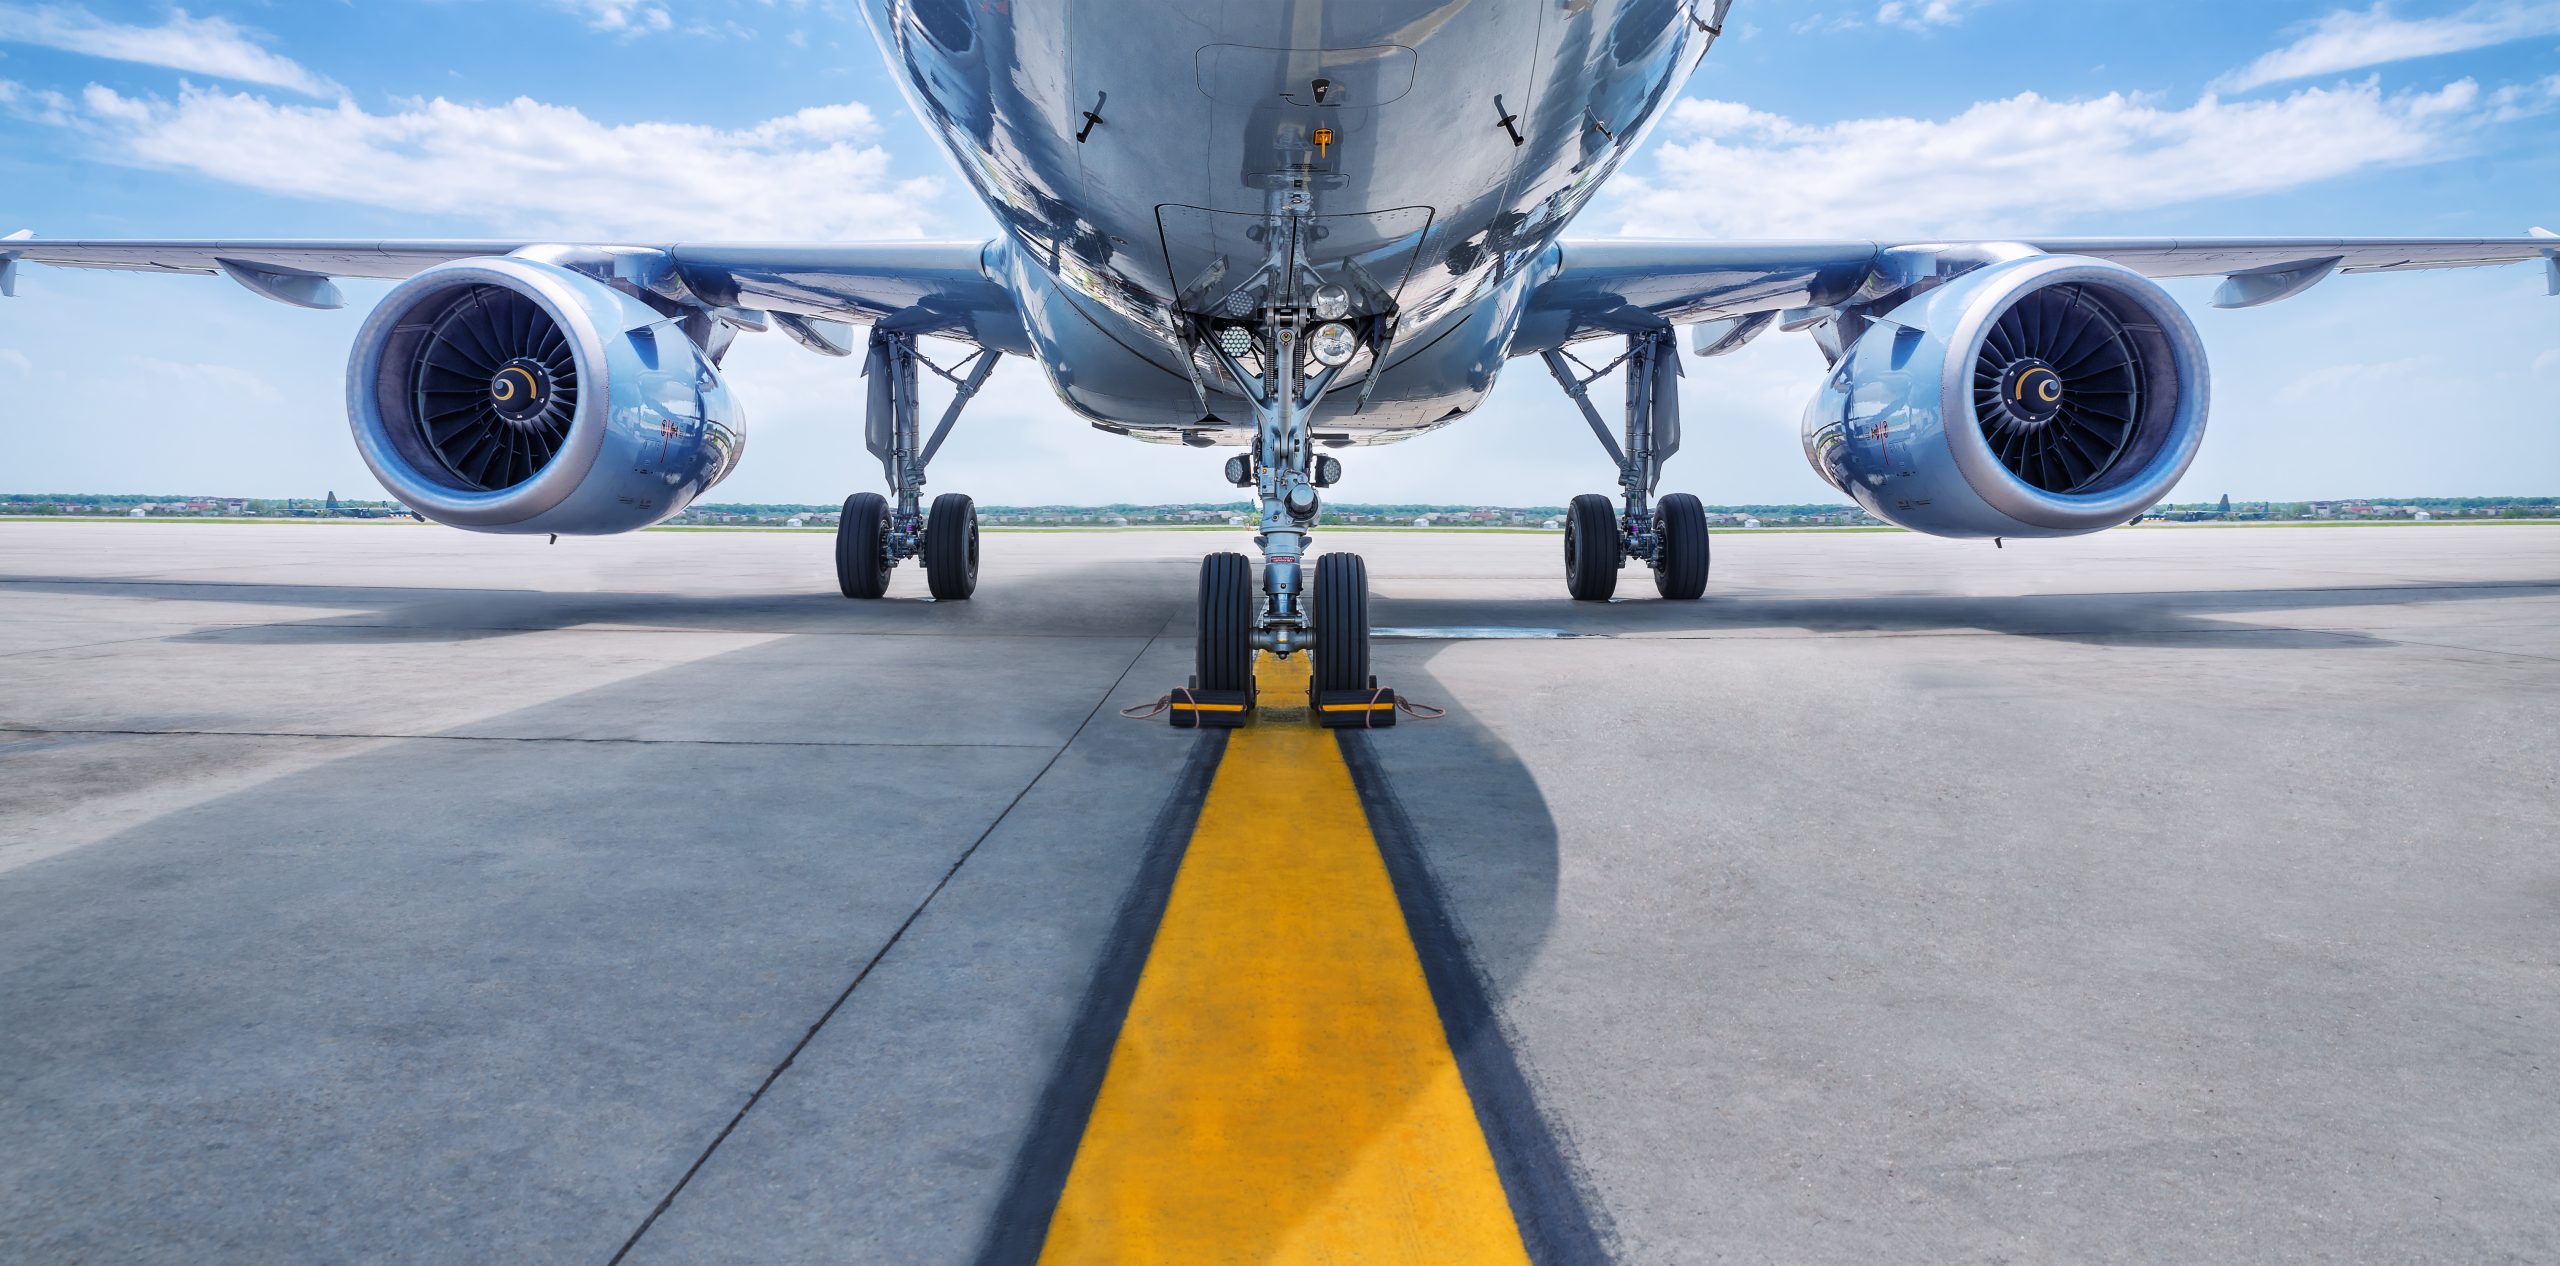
column 9, row 264
column 2550, row 258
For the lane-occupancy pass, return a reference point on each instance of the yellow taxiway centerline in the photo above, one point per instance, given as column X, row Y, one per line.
column 1282, row 1090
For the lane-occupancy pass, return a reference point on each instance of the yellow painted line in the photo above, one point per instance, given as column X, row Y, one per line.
column 1282, row 1090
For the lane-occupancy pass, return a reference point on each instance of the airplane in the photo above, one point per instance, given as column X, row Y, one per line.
column 1287, row 227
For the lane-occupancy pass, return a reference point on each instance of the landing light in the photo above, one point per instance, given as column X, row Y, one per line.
column 1334, row 344
column 1331, row 302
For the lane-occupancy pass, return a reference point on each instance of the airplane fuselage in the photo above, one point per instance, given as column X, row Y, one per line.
column 1134, row 152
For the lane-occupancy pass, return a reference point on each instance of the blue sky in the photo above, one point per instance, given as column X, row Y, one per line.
column 652, row 119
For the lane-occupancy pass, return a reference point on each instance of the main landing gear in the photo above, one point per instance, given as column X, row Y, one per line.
column 1671, row 535
column 876, row 534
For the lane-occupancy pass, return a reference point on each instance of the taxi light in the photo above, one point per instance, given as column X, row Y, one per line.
column 1334, row 344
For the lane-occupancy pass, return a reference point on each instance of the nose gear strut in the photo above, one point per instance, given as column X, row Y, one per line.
column 1263, row 353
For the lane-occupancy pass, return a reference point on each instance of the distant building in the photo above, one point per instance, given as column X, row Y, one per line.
column 795, row 521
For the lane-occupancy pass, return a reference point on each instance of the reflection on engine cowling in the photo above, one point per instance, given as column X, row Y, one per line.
column 511, row 395
column 2043, row 396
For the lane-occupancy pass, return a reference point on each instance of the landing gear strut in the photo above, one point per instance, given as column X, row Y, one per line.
column 1671, row 536
column 1283, row 354
column 876, row 534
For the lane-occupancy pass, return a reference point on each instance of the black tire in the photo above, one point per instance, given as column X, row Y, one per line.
column 1341, row 611
column 1680, row 527
column 1225, row 654
column 951, row 547
column 862, row 546
column 1594, row 549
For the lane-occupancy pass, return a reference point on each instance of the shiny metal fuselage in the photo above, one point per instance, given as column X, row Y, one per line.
column 1131, row 147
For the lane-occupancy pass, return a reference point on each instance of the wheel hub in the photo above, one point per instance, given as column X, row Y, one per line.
column 521, row 390
column 2031, row 391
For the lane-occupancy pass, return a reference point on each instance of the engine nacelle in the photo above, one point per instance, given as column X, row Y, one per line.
column 510, row 395
column 2050, row 395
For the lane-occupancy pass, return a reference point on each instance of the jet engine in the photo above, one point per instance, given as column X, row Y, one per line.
column 511, row 395
column 2047, row 395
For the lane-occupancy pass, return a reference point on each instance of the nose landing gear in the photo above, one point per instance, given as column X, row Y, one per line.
column 1283, row 361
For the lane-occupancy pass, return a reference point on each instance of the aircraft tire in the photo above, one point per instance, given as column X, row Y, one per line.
column 1680, row 566
column 1224, row 656
column 1593, row 549
column 1341, row 611
column 862, row 546
column 951, row 547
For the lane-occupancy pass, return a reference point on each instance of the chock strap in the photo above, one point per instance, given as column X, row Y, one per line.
column 1371, row 709
column 1378, row 701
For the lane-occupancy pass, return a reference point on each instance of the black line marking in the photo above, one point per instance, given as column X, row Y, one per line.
column 1039, row 1176
column 668, row 1200
column 1558, row 1223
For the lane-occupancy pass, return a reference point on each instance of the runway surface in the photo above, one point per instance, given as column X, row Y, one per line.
column 387, row 893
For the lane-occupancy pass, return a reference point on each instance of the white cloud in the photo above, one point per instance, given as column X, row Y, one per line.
column 15, row 362
column 1910, row 15
column 1922, row 14
column 2350, row 39
column 2517, row 101
column 2027, row 163
column 624, row 17
column 37, row 105
column 207, row 46
column 533, row 169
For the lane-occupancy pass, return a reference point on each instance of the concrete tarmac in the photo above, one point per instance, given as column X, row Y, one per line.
column 375, row 893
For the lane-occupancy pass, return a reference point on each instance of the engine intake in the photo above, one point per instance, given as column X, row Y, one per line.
column 512, row 395
column 2044, row 396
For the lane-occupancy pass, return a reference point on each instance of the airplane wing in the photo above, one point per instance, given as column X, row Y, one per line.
column 1628, row 286
column 916, row 287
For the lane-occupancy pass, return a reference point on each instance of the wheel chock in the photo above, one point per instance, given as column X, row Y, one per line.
column 1191, row 708
column 1370, row 709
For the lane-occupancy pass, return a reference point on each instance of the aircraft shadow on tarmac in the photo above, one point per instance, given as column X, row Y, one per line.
column 1097, row 600
column 354, row 988
column 2109, row 619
